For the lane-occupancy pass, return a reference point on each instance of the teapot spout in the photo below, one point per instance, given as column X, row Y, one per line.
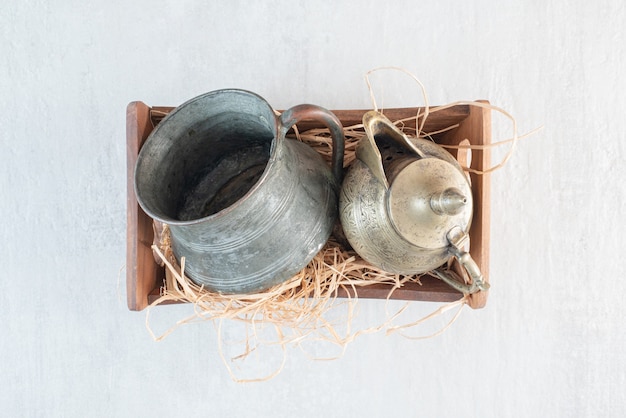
column 379, row 129
column 378, row 125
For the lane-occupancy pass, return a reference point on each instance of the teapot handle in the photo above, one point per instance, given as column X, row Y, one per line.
column 457, row 239
column 307, row 111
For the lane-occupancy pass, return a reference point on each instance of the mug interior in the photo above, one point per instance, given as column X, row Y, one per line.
column 205, row 156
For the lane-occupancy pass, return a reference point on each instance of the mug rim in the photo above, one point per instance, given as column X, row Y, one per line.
column 173, row 114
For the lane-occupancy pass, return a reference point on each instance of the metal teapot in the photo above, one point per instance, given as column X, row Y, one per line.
column 406, row 205
column 247, row 207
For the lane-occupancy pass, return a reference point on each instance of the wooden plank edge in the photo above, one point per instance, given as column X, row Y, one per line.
column 140, row 267
column 444, row 118
column 431, row 289
column 477, row 127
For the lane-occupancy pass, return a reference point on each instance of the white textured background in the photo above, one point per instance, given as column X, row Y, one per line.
column 550, row 341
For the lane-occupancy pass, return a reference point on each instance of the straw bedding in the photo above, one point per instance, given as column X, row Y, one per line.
column 297, row 309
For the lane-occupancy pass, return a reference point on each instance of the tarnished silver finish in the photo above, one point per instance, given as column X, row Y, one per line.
column 406, row 205
column 247, row 207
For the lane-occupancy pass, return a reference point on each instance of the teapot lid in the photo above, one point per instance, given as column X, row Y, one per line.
column 428, row 198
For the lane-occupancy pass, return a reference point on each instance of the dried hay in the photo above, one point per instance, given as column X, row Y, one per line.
column 297, row 309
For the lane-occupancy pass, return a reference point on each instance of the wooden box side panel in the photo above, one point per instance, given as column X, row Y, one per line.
column 477, row 129
column 141, row 269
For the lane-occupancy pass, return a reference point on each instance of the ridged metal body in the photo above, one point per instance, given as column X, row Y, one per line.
column 247, row 207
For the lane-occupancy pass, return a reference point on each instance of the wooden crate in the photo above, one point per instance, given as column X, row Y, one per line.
column 144, row 277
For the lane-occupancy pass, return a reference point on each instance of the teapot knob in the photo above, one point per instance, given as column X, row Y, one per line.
column 450, row 202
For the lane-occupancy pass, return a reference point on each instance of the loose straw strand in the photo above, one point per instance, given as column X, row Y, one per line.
column 297, row 309
column 420, row 84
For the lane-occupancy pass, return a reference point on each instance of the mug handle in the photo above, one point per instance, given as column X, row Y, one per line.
column 456, row 238
column 308, row 111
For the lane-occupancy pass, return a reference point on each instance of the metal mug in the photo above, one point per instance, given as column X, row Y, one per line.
column 247, row 207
